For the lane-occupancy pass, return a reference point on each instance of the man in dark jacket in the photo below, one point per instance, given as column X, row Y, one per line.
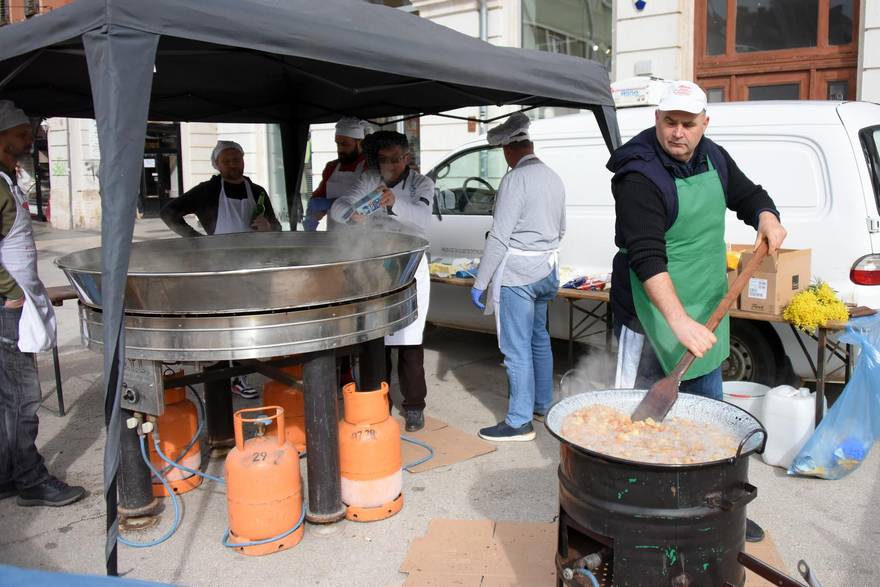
column 671, row 188
column 228, row 202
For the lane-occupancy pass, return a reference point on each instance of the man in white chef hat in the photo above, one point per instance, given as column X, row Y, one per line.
column 341, row 174
column 520, row 270
column 27, row 326
column 229, row 202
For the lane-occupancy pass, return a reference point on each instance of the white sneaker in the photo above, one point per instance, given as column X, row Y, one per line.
column 241, row 388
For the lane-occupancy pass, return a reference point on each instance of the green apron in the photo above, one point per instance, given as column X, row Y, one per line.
column 698, row 268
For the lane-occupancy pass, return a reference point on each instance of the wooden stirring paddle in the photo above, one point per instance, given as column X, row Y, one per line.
column 662, row 395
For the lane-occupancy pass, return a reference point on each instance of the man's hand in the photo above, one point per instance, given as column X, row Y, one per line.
column 692, row 335
column 476, row 295
column 387, row 199
column 14, row 304
column 771, row 230
column 260, row 224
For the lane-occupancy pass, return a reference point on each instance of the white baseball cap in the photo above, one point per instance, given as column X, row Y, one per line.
column 684, row 96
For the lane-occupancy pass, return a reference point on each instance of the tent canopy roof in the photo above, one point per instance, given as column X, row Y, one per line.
column 286, row 61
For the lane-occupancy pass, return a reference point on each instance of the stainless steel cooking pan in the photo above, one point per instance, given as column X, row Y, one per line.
column 253, row 272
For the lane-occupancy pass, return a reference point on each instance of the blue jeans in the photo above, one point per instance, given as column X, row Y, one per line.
column 20, row 399
column 525, row 343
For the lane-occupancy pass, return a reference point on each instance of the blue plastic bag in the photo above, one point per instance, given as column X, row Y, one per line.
column 842, row 441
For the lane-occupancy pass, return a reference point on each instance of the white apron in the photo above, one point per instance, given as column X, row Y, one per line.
column 18, row 255
column 340, row 183
column 234, row 215
column 493, row 300
column 412, row 334
column 629, row 355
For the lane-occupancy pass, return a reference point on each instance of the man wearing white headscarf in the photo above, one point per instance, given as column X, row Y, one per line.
column 228, row 202
column 520, row 268
column 341, row 174
column 27, row 326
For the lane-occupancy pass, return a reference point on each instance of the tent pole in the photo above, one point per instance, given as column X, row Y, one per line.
column 294, row 140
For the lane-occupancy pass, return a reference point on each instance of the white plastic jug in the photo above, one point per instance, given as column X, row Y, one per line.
column 747, row 395
column 790, row 418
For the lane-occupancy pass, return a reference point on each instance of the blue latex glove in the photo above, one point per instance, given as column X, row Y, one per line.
column 476, row 294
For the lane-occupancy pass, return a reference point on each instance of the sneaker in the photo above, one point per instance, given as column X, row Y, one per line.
column 754, row 533
column 501, row 432
column 415, row 420
column 241, row 388
column 8, row 490
column 52, row 492
column 538, row 416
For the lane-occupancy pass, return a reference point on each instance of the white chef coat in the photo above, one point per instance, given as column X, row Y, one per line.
column 410, row 214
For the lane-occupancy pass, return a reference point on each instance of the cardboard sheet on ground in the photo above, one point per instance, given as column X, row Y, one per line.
column 484, row 553
column 450, row 445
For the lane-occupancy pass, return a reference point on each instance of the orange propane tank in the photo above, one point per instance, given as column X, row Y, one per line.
column 369, row 456
column 263, row 487
column 176, row 428
column 290, row 398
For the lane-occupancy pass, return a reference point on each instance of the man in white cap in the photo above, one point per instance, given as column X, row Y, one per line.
column 27, row 326
column 671, row 188
column 341, row 174
column 520, row 268
column 227, row 203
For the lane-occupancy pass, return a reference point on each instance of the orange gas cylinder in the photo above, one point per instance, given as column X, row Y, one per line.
column 290, row 398
column 263, row 487
column 176, row 428
column 369, row 456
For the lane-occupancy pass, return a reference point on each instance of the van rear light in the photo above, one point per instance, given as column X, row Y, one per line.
column 866, row 271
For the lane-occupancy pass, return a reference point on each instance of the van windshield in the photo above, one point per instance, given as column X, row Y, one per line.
column 870, row 138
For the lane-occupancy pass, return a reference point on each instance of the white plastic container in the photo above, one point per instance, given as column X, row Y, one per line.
column 747, row 395
column 790, row 418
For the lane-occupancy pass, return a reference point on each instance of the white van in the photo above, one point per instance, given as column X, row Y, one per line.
column 818, row 161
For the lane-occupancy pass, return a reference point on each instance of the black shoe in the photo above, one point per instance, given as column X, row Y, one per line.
column 415, row 420
column 501, row 432
column 8, row 490
column 52, row 492
column 539, row 416
column 754, row 533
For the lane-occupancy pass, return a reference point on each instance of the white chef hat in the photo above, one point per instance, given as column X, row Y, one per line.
column 11, row 116
column 513, row 130
column 222, row 146
column 354, row 128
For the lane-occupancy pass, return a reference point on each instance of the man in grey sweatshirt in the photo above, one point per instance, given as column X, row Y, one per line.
column 520, row 269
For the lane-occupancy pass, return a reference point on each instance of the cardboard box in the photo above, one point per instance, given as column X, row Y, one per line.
column 775, row 282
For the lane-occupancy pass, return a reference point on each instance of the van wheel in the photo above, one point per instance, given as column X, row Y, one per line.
column 752, row 357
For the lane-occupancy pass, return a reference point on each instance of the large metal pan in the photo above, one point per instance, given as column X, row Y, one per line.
column 730, row 418
column 253, row 272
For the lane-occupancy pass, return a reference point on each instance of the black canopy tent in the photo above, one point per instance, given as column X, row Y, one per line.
column 292, row 62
